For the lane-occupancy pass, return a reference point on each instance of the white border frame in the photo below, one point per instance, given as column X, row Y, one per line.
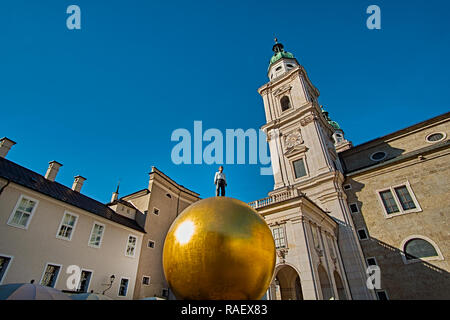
column 281, row 225
column 7, row 267
column 17, row 206
column 128, row 287
column 397, row 201
column 444, row 136
column 57, row 276
column 90, row 280
column 365, row 230
column 101, row 239
column 135, row 246
column 149, row 280
column 357, row 207
column 376, row 160
column 305, row 163
column 153, row 211
column 154, row 244
column 74, row 226
column 439, row 257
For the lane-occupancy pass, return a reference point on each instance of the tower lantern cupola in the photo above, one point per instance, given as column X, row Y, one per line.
column 281, row 61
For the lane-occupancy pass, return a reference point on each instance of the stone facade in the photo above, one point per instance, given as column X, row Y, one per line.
column 311, row 158
column 424, row 168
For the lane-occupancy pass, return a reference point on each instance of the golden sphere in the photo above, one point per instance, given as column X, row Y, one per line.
column 219, row 249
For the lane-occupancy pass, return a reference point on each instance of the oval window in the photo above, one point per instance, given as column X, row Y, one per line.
column 435, row 137
column 378, row 156
column 277, row 69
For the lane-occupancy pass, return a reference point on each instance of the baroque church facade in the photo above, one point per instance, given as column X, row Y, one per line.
column 324, row 219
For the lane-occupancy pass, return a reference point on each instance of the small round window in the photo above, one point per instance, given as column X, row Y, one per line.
column 435, row 137
column 378, row 156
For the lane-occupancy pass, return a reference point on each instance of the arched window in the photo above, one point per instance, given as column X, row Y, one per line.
column 419, row 248
column 285, row 103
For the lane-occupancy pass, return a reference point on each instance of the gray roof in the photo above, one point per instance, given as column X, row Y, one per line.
column 34, row 181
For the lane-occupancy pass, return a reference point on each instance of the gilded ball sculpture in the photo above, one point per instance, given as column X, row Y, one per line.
column 219, row 249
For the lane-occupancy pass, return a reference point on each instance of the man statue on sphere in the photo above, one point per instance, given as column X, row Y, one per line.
column 220, row 181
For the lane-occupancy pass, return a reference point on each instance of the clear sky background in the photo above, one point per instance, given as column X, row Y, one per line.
column 105, row 99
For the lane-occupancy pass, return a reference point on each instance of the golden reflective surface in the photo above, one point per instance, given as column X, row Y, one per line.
column 219, row 249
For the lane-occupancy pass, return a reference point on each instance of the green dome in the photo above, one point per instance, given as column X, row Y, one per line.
column 334, row 124
column 282, row 54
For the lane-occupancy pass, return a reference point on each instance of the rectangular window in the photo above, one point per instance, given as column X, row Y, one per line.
column 347, row 186
column 146, row 281
column 389, row 202
column 50, row 275
column 371, row 261
column 131, row 246
column 4, row 264
column 156, row 211
column 67, row 226
column 279, row 237
column 85, row 279
column 398, row 200
column 382, row 295
column 354, row 208
column 151, row 244
column 405, row 198
column 95, row 239
column 123, row 287
column 299, row 168
column 21, row 215
column 362, row 234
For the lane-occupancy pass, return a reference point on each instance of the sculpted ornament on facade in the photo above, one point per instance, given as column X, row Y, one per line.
column 307, row 119
column 293, row 139
column 282, row 253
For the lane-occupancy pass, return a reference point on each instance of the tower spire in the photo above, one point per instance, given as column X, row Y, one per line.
column 115, row 194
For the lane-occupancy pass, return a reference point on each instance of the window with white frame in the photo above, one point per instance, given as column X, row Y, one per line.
column 5, row 261
column 50, row 275
column 21, row 216
column 151, row 244
column 123, row 287
column 417, row 248
column 67, row 226
column 347, row 186
column 279, row 237
column 299, row 168
column 131, row 246
column 156, row 211
column 85, row 280
column 146, row 280
column 95, row 239
column 398, row 200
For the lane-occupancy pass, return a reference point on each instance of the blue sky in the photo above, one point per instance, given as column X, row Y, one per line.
column 105, row 99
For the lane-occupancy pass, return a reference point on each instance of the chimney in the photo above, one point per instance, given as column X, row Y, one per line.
column 52, row 171
column 78, row 183
column 115, row 194
column 5, row 145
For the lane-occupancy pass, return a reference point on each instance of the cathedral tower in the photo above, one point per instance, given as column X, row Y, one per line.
column 303, row 141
